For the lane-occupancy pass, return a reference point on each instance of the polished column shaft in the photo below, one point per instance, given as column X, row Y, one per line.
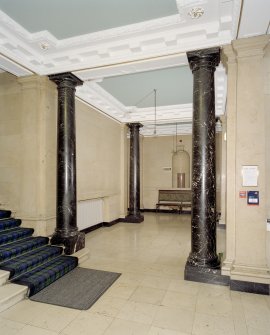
column 66, row 219
column 134, row 214
column 203, row 237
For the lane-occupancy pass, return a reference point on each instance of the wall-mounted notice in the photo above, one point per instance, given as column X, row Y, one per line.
column 253, row 198
column 250, row 175
column 242, row 194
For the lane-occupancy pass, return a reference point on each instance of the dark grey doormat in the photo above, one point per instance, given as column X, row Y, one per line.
column 78, row 289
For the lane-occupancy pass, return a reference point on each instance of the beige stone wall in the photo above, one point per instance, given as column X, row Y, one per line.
column 267, row 127
column 247, row 248
column 28, row 160
column 157, row 155
column 101, row 160
column 28, row 110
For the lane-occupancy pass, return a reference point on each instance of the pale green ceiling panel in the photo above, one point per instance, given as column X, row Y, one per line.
column 174, row 86
column 68, row 18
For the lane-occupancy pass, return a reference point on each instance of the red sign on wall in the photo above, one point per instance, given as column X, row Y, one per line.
column 242, row 194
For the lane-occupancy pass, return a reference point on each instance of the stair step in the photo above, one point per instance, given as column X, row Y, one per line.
column 11, row 294
column 9, row 223
column 4, row 214
column 46, row 274
column 19, row 247
column 14, row 234
column 32, row 259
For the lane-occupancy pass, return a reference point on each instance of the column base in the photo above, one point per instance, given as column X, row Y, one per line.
column 71, row 243
column 134, row 218
column 205, row 275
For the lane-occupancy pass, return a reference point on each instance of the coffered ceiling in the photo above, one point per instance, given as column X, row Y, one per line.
column 125, row 49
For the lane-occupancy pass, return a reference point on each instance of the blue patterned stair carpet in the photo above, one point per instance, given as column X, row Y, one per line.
column 9, row 223
column 46, row 274
column 4, row 214
column 30, row 260
column 14, row 249
column 27, row 262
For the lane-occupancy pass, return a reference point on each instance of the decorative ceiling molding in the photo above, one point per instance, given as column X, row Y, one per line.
column 13, row 68
column 95, row 95
column 166, row 129
column 145, row 46
column 152, row 38
column 179, row 59
column 164, row 114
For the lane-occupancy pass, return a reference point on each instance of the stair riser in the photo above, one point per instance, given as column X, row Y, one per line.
column 43, row 276
column 31, row 260
column 15, row 235
column 9, row 224
column 28, row 245
column 12, row 295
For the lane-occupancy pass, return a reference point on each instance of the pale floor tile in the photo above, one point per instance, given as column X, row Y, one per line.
column 151, row 257
column 87, row 323
column 121, row 290
column 23, row 312
column 238, row 314
column 108, row 306
column 205, row 324
column 180, row 299
column 161, row 331
column 8, row 327
column 138, row 267
column 174, row 319
column 255, row 331
column 148, row 295
column 214, row 291
column 131, row 278
column 124, row 327
column 30, row 330
column 251, row 299
column 214, row 306
column 138, row 312
column 156, row 282
column 45, row 316
column 184, row 286
column 257, row 316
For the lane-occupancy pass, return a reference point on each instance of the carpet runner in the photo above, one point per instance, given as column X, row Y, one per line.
column 30, row 260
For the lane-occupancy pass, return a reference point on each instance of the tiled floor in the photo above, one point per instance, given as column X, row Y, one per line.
column 151, row 297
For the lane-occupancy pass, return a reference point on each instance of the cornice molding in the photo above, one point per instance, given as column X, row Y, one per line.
column 152, row 38
column 250, row 47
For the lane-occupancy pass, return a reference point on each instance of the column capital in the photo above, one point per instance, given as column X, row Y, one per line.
column 67, row 77
column 209, row 58
column 251, row 47
column 134, row 125
column 229, row 53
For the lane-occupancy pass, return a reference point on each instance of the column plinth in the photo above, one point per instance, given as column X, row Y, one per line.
column 203, row 258
column 66, row 231
column 134, row 214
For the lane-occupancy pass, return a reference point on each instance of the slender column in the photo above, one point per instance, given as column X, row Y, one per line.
column 66, row 231
column 134, row 214
column 203, row 232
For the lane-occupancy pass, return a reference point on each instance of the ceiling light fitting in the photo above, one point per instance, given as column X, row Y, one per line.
column 196, row 12
column 44, row 45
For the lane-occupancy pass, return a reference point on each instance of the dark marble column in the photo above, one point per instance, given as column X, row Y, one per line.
column 134, row 214
column 66, row 231
column 203, row 258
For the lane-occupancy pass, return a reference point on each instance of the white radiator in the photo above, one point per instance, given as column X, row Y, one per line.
column 89, row 213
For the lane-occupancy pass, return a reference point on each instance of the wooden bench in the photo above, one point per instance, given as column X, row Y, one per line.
column 175, row 198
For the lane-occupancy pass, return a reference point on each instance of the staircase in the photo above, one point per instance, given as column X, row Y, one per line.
column 27, row 264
